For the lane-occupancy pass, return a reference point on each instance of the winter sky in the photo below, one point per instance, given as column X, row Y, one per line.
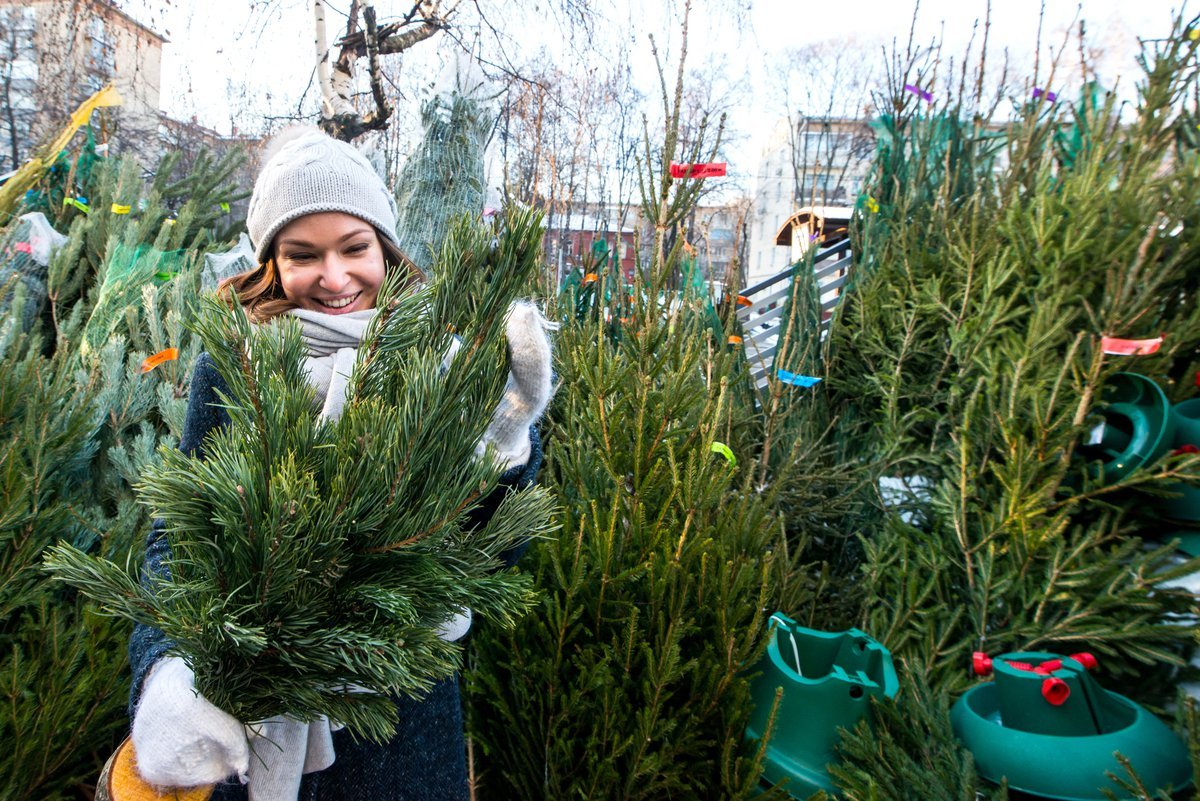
column 245, row 63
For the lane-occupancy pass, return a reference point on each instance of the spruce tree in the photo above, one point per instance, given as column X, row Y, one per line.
column 627, row 681
column 78, row 429
column 966, row 360
column 444, row 177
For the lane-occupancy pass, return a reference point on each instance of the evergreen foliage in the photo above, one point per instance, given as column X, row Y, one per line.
column 628, row 679
column 312, row 560
column 965, row 360
column 77, row 430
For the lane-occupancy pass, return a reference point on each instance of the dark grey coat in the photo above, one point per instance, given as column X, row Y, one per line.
column 426, row 760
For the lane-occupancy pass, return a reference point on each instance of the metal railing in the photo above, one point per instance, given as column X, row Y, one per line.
column 761, row 307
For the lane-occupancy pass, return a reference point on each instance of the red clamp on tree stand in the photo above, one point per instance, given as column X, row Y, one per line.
column 1055, row 691
column 1049, row 729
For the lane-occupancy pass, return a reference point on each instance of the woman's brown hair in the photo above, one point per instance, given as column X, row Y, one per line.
column 260, row 291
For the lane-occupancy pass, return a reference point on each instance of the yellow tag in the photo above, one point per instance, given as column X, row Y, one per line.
column 169, row 221
column 723, row 449
column 1194, row 34
column 117, row 208
column 872, row 204
column 170, row 354
column 77, row 203
column 108, row 96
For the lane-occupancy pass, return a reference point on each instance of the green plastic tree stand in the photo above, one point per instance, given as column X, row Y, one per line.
column 827, row 682
column 1138, row 426
column 1051, row 730
column 1186, row 419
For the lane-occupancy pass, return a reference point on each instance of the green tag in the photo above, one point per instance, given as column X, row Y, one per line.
column 723, row 449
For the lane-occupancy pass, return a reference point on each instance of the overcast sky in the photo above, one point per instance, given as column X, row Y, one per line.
column 266, row 46
column 248, row 63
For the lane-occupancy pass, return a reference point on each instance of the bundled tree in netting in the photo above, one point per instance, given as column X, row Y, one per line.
column 967, row 361
column 79, row 429
column 444, row 177
column 344, row 543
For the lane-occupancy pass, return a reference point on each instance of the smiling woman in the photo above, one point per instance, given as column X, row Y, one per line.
column 330, row 262
column 323, row 226
column 324, row 231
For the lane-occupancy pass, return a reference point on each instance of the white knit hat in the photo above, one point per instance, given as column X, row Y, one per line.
column 307, row 171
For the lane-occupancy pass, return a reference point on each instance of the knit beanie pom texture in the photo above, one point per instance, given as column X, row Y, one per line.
column 306, row 171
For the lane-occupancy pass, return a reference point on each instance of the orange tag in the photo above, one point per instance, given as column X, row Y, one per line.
column 734, row 340
column 590, row 277
column 168, row 355
column 744, row 301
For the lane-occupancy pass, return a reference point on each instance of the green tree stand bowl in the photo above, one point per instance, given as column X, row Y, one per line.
column 826, row 681
column 1067, row 750
column 1138, row 427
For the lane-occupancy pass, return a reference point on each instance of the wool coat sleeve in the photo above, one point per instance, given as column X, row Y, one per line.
column 204, row 414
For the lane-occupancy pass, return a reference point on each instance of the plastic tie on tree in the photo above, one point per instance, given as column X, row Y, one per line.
column 924, row 94
column 715, row 169
column 724, row 450
column 797, row 380
column 163, row 356
column 118, row 208
column 1115, row 346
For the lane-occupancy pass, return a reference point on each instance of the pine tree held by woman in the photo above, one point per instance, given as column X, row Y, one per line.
column 313, row 560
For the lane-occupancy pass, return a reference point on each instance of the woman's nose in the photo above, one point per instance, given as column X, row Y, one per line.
column 334, row 274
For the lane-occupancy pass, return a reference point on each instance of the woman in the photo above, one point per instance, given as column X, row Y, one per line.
column 323, row 227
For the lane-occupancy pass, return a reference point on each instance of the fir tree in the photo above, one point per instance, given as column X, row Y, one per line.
column 444, row 177
column 966, row 360
column 627, row 680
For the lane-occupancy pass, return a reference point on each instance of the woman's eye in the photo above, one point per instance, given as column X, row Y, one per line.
column 359, row 248
column 298, row 257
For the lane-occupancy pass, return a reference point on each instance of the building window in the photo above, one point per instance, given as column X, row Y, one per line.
column 101, row 48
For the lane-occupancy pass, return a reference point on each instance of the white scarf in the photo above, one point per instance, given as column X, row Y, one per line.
column 332, row 341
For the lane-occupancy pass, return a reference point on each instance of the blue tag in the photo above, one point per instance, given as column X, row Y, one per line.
column 798, row 380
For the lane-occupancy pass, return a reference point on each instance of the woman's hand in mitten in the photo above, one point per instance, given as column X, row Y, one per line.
column 529, row 386
column 180, row 739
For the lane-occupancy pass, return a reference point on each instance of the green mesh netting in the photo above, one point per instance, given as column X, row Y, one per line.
column 444, row 177
column 128, row 270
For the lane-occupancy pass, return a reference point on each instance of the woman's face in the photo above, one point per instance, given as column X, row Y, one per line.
column 330, row 262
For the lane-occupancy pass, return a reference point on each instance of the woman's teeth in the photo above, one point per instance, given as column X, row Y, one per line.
column 340, row 304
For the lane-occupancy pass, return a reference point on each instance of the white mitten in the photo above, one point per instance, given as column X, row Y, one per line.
column 180, row 739
column 456, row 627
column 528, row 390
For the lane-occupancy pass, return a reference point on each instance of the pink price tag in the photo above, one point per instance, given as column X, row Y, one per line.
column 1130, row 347
column 23, row 247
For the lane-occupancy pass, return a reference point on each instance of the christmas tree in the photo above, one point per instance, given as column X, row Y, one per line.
column 628, row 678
column 78, row 429
column 968, row 367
